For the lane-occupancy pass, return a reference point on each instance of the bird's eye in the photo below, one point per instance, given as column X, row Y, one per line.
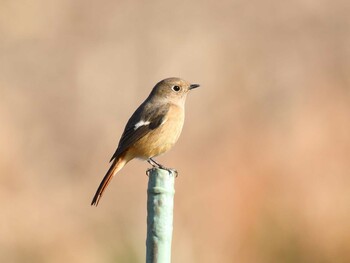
column 176, row 88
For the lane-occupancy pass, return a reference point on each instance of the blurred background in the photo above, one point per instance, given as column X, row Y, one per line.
column 264, row 157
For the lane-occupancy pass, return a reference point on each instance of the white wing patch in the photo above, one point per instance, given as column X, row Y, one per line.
column 164, row 121
column 141, row 123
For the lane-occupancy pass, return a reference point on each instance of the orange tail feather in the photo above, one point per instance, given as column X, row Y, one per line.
column 115, row 167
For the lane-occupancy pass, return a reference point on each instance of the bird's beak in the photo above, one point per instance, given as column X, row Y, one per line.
column 193, row 86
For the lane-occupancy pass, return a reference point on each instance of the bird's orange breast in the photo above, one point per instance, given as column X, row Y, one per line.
column 161, row 139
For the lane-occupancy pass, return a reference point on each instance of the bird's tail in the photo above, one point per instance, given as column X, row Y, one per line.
column 117, row 164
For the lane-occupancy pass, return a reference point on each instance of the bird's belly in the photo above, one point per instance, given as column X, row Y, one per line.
column 159, row 140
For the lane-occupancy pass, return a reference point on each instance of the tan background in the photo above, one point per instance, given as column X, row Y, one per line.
column 264, row 158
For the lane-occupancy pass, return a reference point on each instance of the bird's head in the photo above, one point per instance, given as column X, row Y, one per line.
column 173, row 90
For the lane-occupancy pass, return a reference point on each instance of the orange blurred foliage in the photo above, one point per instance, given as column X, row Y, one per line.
column 263, row 159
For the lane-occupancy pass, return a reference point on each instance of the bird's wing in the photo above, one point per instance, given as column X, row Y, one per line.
column 144, row 120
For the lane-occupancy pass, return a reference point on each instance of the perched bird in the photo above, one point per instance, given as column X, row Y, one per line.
column 153, row 129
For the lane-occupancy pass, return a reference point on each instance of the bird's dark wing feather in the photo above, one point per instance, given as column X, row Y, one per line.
column 153, row 117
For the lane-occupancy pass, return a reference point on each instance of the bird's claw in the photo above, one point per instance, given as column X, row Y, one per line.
column 170, row 170
column 148, row 171
column 173, row 171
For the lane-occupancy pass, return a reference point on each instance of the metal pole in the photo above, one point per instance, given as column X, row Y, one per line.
column 160, row 203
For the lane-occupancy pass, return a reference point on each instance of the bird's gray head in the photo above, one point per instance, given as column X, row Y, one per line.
column 173, row 90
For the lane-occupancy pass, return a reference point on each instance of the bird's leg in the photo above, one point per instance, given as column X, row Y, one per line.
column 158, row 165
column 155, row 164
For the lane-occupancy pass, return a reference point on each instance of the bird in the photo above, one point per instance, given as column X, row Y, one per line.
column 152, row 130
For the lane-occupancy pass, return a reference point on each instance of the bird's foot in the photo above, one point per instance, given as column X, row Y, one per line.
column 172, row 170
column 158, row 165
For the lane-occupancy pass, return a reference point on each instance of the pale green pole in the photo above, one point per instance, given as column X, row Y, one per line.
column 160, row 203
